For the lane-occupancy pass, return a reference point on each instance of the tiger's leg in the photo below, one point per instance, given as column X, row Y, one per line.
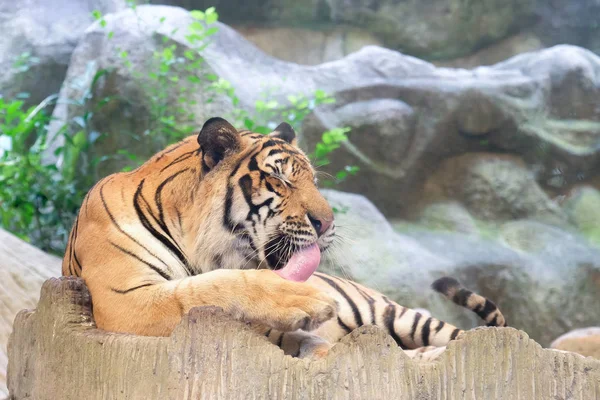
column 298, row 343
column 362, row 306
column 258, row 296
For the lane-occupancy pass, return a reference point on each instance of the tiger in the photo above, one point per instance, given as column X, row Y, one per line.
column 234, row 219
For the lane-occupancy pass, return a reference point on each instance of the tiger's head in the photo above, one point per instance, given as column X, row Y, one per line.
column 272, row 208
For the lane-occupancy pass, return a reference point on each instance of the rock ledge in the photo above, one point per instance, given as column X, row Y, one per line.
column 211, row 356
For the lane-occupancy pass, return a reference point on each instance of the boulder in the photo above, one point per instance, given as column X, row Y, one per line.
column 493, row 187
column 308, row 46
column 584, row 341
column 583, row 208
column 540, row 106
column 448, row 216
column 268, row 12
column 210, row 356
column 436, row 29
column 38, row 39
column 96, row 60
column 23, row 269
column 522, row 42
column 406, row 115
column 573, row 22
column 542, row 277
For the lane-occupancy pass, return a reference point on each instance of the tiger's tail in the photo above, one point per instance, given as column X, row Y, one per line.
column 481, row 306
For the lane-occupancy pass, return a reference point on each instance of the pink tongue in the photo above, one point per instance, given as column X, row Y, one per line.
column 302, row 264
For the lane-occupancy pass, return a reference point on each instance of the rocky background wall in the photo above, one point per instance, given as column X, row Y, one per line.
column 477, row 138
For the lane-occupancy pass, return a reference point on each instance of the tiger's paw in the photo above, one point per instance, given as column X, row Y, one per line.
column 288, row 306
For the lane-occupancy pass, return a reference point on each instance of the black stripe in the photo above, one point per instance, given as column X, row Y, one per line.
column 175, row 147
column 153, row 267
column 146, row 223
column 158, row 196
column 114, row 221
column 71, row 251
column 343, row 325
column 413, row 330
column 440, row 326
column 181, row 157
column 404, row 309
column 131, row 289
column 488, row 308
column 425, row 332
column 494, row 322
column 227, row 221
column 357, row 318
column 369, row 300
column 161, row 216
column 78, row 263
column 268, row 332
column 389, row 316
column 273, row 152
column 280, row 340
column 245, row 184
column 455, row 333
column 180, row 223
column 462, row 297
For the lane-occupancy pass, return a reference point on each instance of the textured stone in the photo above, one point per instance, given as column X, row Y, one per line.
column 448, row 216
column 573, row 22
column 492, row 187
column 407, row 115
column 540, row 106
column 49, row 32
column 23, row 269
column 522, row 42
column 307, row 46
column 583, row 208
column 585, row 341
column 544, row 279
column 209, row 356
column 435, row 29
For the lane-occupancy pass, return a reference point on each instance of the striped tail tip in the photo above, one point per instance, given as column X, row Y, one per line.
column 481, row 306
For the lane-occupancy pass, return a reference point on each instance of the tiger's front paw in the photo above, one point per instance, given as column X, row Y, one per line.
column 288, row 306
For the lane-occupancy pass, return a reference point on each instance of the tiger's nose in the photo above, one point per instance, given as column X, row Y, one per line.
column 320, row 225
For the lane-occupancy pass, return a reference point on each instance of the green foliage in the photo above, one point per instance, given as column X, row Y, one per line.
column 39, row 200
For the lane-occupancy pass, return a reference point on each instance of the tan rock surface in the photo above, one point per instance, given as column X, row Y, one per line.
column 585, row 341
column 210, row 356
column 23, row 269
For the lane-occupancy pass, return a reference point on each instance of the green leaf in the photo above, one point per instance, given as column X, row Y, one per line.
column 96, row 14
column 211, row 16
column 248, row 123
column 196, row 26
column 79, row 139
column 211, row 31
column 196, row 14
column 190, row 55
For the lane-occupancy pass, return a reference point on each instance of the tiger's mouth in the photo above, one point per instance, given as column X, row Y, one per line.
column 292, row 261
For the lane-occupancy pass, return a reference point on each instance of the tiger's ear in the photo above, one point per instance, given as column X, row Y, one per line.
column 285, row 132
column 217, row 139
